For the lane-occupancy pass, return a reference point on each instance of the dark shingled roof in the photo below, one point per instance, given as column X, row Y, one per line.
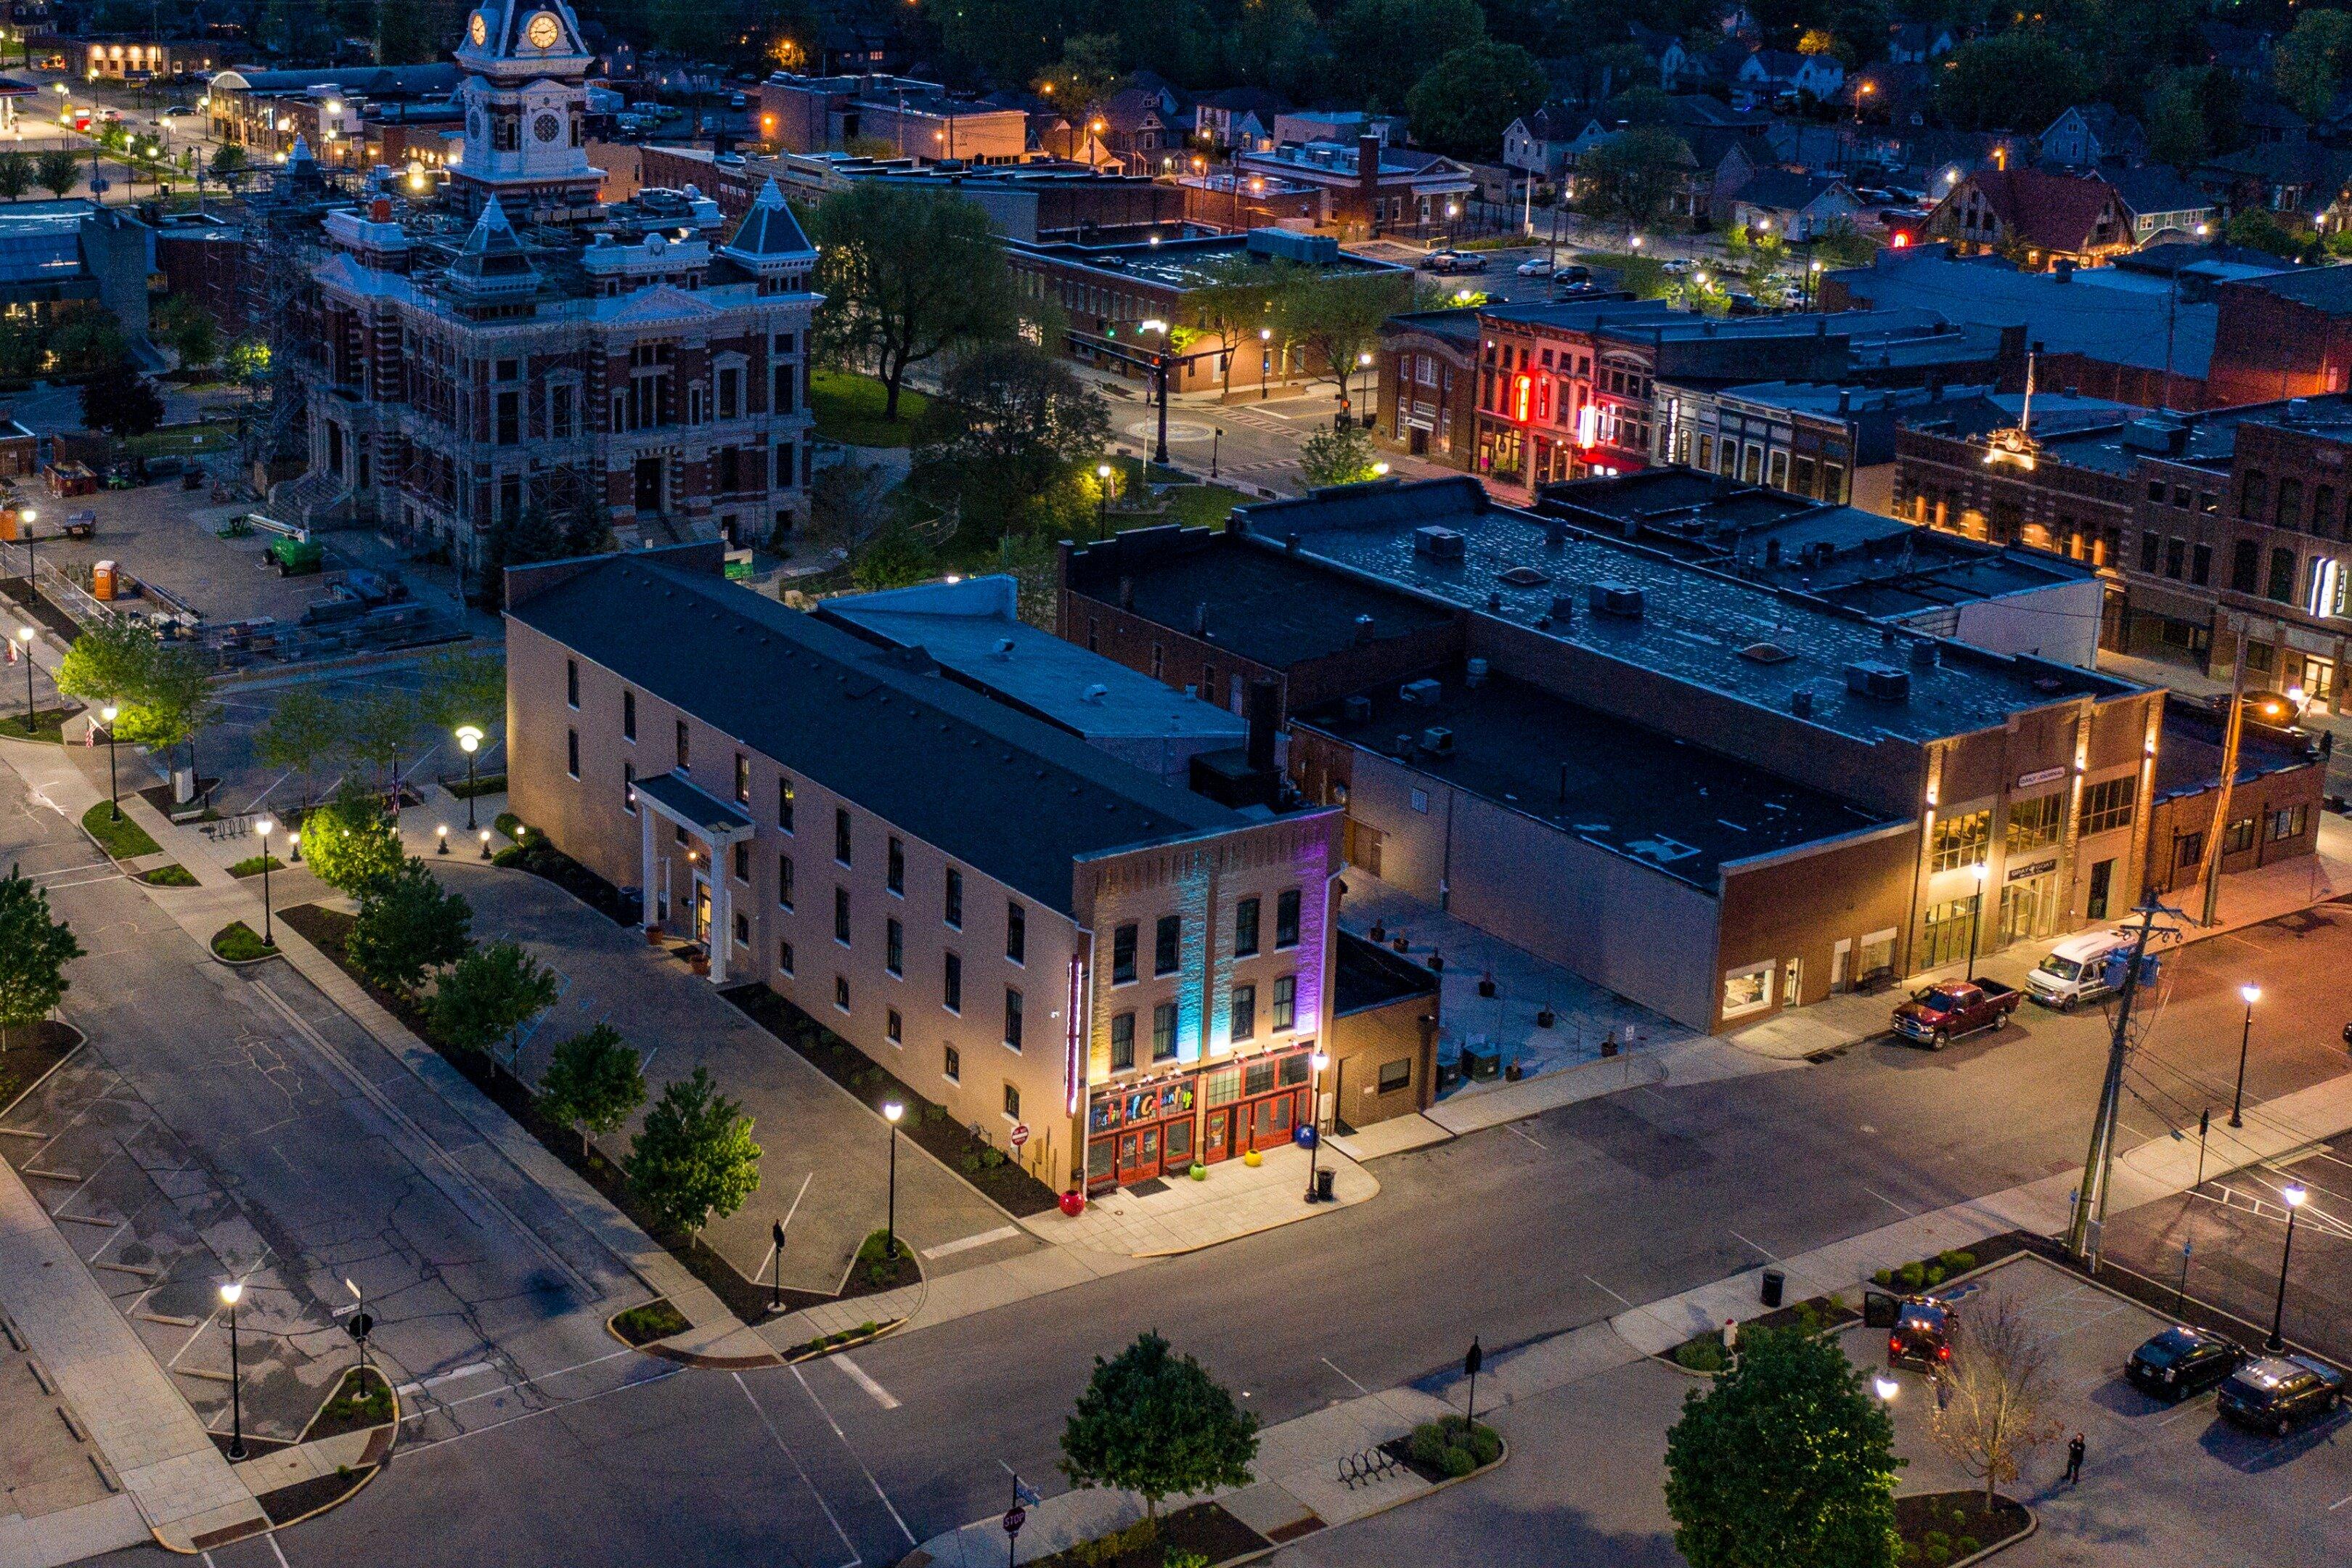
column 1012, row 798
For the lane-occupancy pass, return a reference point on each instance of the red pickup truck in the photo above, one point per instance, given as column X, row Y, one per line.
column 1939, row 1015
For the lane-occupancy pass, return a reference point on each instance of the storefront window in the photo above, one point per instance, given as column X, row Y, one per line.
column 2034, row 824
column 1295, row 1068
column 1747, row 990
column 1950, row 933
column 1221, row 1087
column 1960, row 840
column 1258, row 1079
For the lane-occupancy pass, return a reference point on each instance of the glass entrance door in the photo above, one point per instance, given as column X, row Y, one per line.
column 701, row 908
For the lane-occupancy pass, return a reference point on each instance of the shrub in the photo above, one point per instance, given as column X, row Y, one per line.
column 1428, row 1445
column 1910, row 1275
column 171, row 876
column 1457, row 1462
column 1956, row 1261
column 252, row 865
column 1182, row 1557
column 1701, row 1355
column 1966, row 1546
column 1932, row 1275
column 239, row 942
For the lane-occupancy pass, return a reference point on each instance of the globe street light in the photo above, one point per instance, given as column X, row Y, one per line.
column 2294, row 1194
column 469, row 740
column 2249, row 994
column 1885, row 1387
column 891, row 1112
column 1102, row 501
column 1265, row 359
column 229, row 1292
column 265, row 827
column 1315, row 1120
column 114, row 790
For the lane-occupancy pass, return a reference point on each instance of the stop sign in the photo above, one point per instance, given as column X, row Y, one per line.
column 1015, row 1518
column 1020, row 1134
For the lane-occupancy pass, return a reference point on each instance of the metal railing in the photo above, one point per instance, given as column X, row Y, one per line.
column 61, row 590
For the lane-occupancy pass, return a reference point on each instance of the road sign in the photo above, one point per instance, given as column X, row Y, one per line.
column 1015, row 1518
column 1473, row 1360
column 1020, row 1134
column 777, row 1231
column 359, row 1325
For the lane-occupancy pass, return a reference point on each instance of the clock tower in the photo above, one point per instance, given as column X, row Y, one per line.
column 526, row 101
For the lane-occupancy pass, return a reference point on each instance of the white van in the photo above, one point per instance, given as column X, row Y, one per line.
column 2076, row 970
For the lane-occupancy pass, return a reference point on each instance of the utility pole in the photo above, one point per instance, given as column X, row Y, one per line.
column 2233, row 726
column 2090, row 1215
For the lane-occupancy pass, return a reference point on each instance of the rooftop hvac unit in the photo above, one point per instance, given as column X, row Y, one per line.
column 1423, row 690
column 1880, row 682
column 1438, row 543
column 1800, row 703
column 1614, row 599
column 1563, row 608
column 1356, row 709
column 1474, row 673
column 1437, row 740
column 1925, row 654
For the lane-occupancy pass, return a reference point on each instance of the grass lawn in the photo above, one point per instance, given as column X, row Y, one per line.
column 122, row 839
column 1193, row 505
column 848, row 408
column 47, row 723
column 185, row 441
column 240, row 943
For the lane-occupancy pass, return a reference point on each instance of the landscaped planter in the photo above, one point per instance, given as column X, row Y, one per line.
column 1947, row 1529
column 239, row 946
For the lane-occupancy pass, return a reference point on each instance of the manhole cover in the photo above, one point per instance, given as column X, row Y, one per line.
column 1178, row 430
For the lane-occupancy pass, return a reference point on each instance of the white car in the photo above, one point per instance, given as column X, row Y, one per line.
column 1676, row 264
column 1535, row 266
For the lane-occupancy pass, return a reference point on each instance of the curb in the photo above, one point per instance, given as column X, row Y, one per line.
column 1256, row 1230
column 881, row 1330
column 2032, row 1524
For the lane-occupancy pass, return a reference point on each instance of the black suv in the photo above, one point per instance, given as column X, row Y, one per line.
column 2273, row 1392
column 1921, row 1337
column 2181, row 1362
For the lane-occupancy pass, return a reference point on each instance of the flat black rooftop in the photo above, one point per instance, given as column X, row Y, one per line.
column 2203, row 440
column 2190, row 761
column 1264, row 606
column 1696, row 624
column 1667, row 803
column 1370, row 975
column 1006, row 793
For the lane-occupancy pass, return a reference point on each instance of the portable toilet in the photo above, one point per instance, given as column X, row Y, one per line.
column 9, row 523
column 102, row 581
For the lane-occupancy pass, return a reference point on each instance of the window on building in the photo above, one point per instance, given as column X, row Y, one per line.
column 1163, row 1032
column 951, row 910
column 2289, row 823
column 2245, row 562
column 572, row 683
column 2151, row 547
column 1286, row 1002
column 1122, row 955
column 1245, row 927
column 841, row 845
column 730, row 392
column 785, row 804
column 2239, row 837
column 1012, row 1102
column 894, row 947
column 742, row 860
column 560, row 415
column 1960, row 840
column 572, row 753
column 2175, row 558
column 685, row 752
column 629, row 788
column 894, row 866
column 2281, row 584
column 784, row 958
column 785, row 882
column 893, row 1026
column 951, row 1065
column 2108, row 806
column 951, row 983
column 2200, row 565
column 1396, row 1075
column 1244, row 1012
column 629, row 716
column 1748, row 989
column 1012, row 1018
column 1167, row 943
column 742, row 779
column 2034, row 824
column 2253, row 491
column 841, row 916
column 1286, row 920
column 2290, row 503
column 841, row 992
column 1016, row 932
column 1122, row 1042
column 742, row 930
column 2187, row 850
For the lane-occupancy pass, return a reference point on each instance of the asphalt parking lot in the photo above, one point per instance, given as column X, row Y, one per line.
column 2162, row 1484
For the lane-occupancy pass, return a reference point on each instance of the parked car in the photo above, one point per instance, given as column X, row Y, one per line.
column 1535, row 266
column 1676, row 264
column 2076, row 970
column 1745, row 305
column 2276, row 1394
column 2182, row 1361
column 1939, row 1015
column 1573, row 275
column 1921, row 1337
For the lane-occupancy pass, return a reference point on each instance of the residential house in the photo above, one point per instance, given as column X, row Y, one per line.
column 2049, row 217
column 2279, row 176
column 2159, row 203
column 2090, row 135
column 1367, row 188
column 1240, row 118
column 2243, row 52
column 1138, row 130
column 1917, row 43
column 1539, row 144
column 1781, row 73
column 1337, row 125
column 1795, row 206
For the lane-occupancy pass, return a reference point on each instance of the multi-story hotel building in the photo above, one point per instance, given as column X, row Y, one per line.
column 1016, row 924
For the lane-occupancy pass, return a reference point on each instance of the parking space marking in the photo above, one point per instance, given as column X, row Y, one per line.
column 2340, row 1502
column 864, row 1379
column 1350, row 1382
column 786, row 1449
column 669, row 1370
column 471, row 1369
column 275, row 1550
column 1515, row 1127
column 1768, row 1252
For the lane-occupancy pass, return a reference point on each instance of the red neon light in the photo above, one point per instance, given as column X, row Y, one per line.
column 1526, row 390
column 1900, row 240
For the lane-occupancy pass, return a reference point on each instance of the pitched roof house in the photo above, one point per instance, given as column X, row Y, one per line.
column 2159, row 201
column 1795, row 206
column 2090, row 133
column 2050, row 218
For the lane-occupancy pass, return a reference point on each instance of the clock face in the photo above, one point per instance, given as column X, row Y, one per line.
column 544, row 32
column 480, row 30
column 474, row 125
column 546, row 128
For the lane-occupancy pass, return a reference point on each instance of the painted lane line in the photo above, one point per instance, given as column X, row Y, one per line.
column 1350, row 1382
column 1607, row 1292
column 1515, row 1128
column 2340, row 1502
column 837, row 1432
column 786, row 1449
column 536, row 1381
column 864, row 1379
column 471, row 1369
column 1769, row 1253
column 965, row 1244
column 670, row 1370
column 275, row 1550
column 1890, row 1203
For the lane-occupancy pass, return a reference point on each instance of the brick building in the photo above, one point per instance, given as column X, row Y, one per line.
column 2289, row 335
column 2274, row 805
column 643, row 366
column 137, row 56
column 1367, row 188
column 914, row 118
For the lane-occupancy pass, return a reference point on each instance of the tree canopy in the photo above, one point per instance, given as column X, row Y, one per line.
column 908, row 274
column 1464, row 103
column 594, row 1082
column 33, row 950
column 352, row 841
column 1009, row 422
column 1629, row 178
column 163, row 688
column 695, row 1156
column 2012, row 80
column 407, row 924
column 489, row 994
column 1157, row 1424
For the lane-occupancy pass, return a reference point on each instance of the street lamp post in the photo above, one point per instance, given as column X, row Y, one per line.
column 1981, row 871
column 469, row 740
column 1159, row 390
column 229, row 1292
column 2294, row 1194
column 1102, row 501
column 1265, row 359
column 1364, row 361
column 265, row 827
column 1315, row 1120
column 25, row 649
column 114, row 789
column 891, row 1112
column 2250, row 994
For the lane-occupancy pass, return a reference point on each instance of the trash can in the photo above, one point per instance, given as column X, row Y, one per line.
column 1323, row 1185
column 1775, row 1283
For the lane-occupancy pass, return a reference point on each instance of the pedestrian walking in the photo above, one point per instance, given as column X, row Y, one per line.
column 2074, row 1458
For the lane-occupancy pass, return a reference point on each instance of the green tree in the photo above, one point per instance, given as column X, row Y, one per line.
column 1008, row 421
column 2257, row 229
column 57, row 172
column 1234, row 300
column 1155, row 1423
column 2176, row 121
column 2009, row 81
column 1336, row 317
column 908, row 274
column 2309, row 64
column 1087, row 74
column 463, row 687
column 376, row 724
column 1785, row 1461
column 487, row 995
column 189, row 329
column 1337, row 457
column 15, row 175
column 415, row 32
column 1380, row 47
column 695, row 1156
column 109, row 662
column 352, row 842
column 592, row 1084
column 228, row 160
column 302, row 731
column 1464, row 103
column 1629, row 177
column 85, row 336
column 164, row 690
column 249, row 362
column 121, row 402
column 1839, row 243
column 34, row 952
column 407, row 924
